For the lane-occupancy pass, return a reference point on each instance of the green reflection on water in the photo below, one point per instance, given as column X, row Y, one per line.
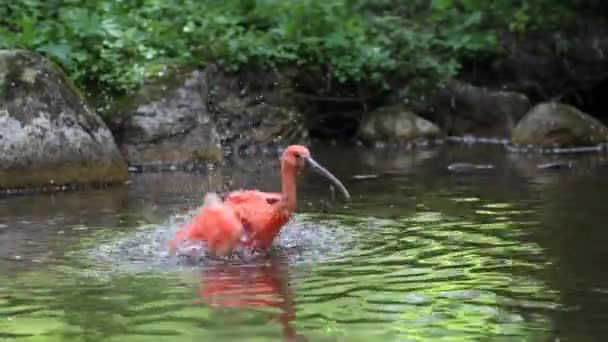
column 421, row 275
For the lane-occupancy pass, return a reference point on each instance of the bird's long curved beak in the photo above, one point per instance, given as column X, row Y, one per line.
column 323, row 172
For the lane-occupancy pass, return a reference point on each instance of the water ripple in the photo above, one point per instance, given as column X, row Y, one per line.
column 473, row 275
column 426, row 275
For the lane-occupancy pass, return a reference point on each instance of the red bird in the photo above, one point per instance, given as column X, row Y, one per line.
column 261, row 214
column 216, row 224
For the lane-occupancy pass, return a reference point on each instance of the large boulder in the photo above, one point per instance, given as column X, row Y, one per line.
column 460, row 109
column 396, row 124
column 254, row 108
column 48, row 135
column 166, row 123
column 552, row 124
column 198, row 115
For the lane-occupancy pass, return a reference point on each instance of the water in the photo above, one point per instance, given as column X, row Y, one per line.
column 509, row 253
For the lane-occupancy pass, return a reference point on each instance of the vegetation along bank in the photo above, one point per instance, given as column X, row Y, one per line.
column 89, row 87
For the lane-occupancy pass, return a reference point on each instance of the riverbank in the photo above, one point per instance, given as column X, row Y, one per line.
column 541, row 91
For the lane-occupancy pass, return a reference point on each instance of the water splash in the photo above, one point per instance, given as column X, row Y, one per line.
column 305, row 239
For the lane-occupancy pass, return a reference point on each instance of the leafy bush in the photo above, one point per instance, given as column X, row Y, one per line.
column 118, row 44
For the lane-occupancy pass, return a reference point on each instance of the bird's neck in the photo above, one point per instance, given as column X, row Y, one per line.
column 288, row 186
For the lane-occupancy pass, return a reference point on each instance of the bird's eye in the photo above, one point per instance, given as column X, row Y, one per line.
column 298, row 155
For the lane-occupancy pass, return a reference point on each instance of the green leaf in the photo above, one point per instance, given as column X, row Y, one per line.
column 441, row 5
column 27, row 30
column 112, row 28
column 60, row 52
column 473, row 19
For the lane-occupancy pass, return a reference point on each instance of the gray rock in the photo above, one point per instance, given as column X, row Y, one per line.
column 167, row 122
column 552, row 124
column 195, row 115
column 255, row 108
column 460, row 109
column 396, row 124
column 48, row 135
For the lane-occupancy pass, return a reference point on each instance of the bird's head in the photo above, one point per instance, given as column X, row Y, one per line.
column 295, row 156
column 298, row 157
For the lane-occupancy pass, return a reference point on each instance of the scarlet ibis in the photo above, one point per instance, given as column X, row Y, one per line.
column 260, row 215
column 263, row 214
column 216, row 224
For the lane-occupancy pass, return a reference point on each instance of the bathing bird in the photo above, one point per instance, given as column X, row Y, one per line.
column 216, row 224
column 261, row 214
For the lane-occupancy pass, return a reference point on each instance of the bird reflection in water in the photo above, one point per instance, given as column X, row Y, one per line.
column 262, row 284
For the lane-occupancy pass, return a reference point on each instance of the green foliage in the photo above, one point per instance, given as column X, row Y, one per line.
column 118, row 44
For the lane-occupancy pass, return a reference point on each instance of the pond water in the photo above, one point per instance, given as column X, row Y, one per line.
column 511, row 253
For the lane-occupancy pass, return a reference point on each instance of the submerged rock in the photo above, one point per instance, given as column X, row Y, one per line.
column 48, row 135
column 396, row 124
column 556, row 165
column 469, row 167
column 558, row 125
column 167, row 122
column 365, row 177
column 460, row 108
column 389, row 163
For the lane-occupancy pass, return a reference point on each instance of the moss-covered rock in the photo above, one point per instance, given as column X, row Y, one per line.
column 48, row 135
column 461, row 108
column 167, row 122
column 552, row 124
column 197, row 115
column 396, row 124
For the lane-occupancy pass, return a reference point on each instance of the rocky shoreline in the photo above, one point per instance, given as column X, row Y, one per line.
column 51, row 139
column 48, row 134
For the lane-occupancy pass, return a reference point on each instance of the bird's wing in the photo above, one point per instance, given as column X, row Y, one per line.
column 260, row 213
column 252, row 196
